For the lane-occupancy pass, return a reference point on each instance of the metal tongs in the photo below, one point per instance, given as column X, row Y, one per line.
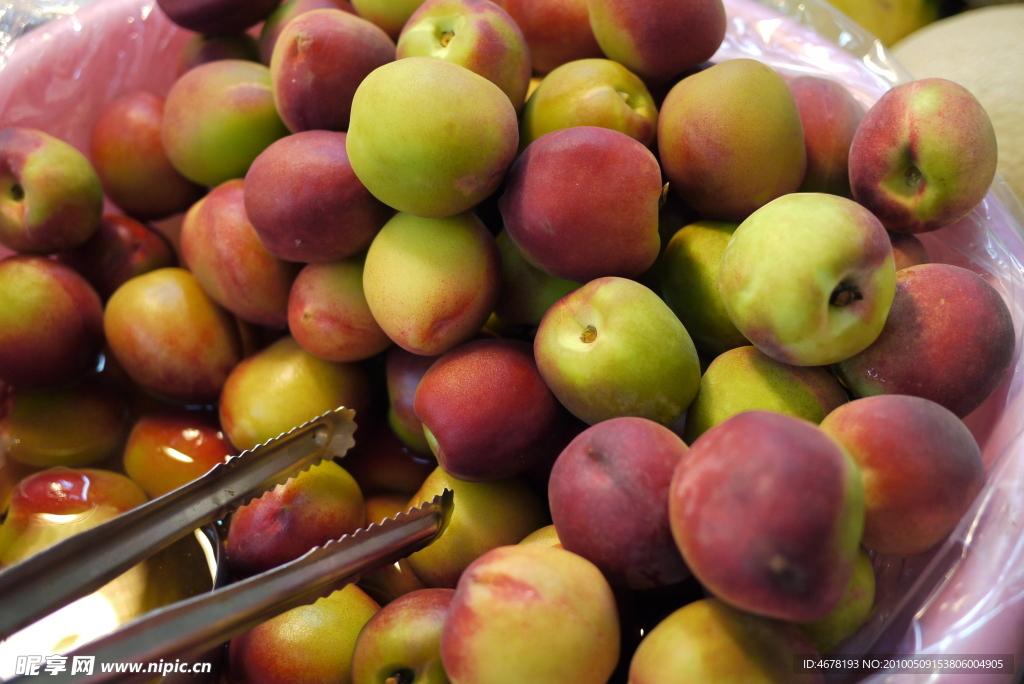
column 85, row 562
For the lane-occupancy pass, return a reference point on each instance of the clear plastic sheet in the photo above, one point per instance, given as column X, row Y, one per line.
column 964, row 597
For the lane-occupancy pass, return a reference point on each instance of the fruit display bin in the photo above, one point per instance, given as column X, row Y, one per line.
column 965, row 596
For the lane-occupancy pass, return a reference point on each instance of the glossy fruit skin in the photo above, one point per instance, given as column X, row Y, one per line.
column 51, row 199
column 127, row 149
column 170, row 337
column 166, row 451
column 318, row 505
column 51, row 323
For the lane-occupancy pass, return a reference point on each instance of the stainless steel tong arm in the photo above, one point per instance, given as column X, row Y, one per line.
column 85, row 562
column 193, row 626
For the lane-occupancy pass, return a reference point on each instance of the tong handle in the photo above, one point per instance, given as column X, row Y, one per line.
column 86, row 561
column 194, row 626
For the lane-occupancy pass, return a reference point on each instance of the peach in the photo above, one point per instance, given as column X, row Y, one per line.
column 922, row 468
column 223, row 251
column 489, row 514
column 745, row 379
column 319, row 60
column 404, row 371
column 79, row 498
column 768, row 511
column 731, row 139
column 318, row 505
column 328, row 314
column 658, row 39
column 284, row 386
column 450, row 278
column 582, row 203
column 71, row 426
column 217, row 17
column 127, row 150
column 307, row 204
column 50, row 196
column 709, row 642
column 171, row 337
column 830, row 116
column 218, row 118
column 168, row 450
column 590, row 92
column 609, row 501
column 287, row 11
column 476, row 34
column 949, row 337
column 526, row 291
column 533, row 614
column 453, row 151
column 51, row 323
column 924, row 156
column 688, row 277
column 556, row 31
column 486, row 410
column 310, row 644
column 201, row 49
column 402, row 643
column 380, row 463
column 120, row 249
column 908, row 250
column 850, row 613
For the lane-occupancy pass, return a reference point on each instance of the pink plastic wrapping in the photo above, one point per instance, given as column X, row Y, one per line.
column 964, row 597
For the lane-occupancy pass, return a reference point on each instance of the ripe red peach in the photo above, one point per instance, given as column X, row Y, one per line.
column 658, row 39
column 120, row 249
column 486, row 409
column 287, row 11
column 922, row 468
column 318, row 505
column 168, row 450
column 556, row 31
column 582, row 203
column 830, row 116
column 307, row 204
column 319, row 60
column 51, row 323
column 223, row 251
column 768, row 512
column 127, row 150
column 949, row 337
column 609, row 501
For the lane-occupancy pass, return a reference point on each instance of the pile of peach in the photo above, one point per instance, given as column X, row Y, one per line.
column 675, row 308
